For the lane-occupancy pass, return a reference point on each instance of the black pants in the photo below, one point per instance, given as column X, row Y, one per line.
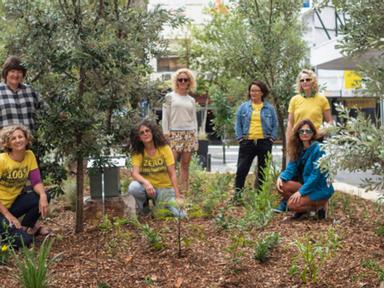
column 248, row 150
column 26, row 204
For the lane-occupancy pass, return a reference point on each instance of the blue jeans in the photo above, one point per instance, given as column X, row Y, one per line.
column 163, row 196
column 26, row 204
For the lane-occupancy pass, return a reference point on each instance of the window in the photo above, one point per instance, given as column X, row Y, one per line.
column 168, row 64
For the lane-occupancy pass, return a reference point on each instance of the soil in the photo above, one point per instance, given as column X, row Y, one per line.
column 120, row 256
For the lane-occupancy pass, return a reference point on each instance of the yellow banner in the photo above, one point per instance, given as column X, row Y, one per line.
column 352, row 80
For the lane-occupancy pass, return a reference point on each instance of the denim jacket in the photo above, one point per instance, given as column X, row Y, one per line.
column 268, row 116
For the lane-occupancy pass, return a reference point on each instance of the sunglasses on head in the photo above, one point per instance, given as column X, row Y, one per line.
column 305, row 80
column 183, row 80
column 145, row 131
column 305, row 131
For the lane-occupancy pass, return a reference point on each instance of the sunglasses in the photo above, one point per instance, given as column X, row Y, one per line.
column 305, row 80
column 145, row 131
column 183, row 80
column 305, row 131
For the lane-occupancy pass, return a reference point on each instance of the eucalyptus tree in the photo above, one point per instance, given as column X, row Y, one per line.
column 256, row 39
column 90, row 61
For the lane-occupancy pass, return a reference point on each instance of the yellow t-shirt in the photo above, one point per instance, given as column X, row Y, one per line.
column 14, row 176
column 311, row 108
column 255, row 128
column 154, row 168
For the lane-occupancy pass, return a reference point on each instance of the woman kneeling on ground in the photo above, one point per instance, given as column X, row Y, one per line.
column 153, row 169
column 17, row 165
column 302, row 184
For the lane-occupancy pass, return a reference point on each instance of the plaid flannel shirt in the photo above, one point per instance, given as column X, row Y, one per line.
column 18, row 107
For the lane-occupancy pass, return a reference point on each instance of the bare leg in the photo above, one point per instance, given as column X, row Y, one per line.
column 184, row 170
column 306, row 205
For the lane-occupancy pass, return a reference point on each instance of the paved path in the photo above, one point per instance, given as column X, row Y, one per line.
column 345, row 181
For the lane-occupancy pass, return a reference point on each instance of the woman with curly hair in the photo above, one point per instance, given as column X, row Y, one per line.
column 153, row 169
column 302, row 184
column 17, row 166
column 179, row 121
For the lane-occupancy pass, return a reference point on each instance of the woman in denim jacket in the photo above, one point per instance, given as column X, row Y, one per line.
column 256, row 130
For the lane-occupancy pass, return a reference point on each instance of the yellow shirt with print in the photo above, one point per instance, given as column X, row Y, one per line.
column 154, row 168
column 255, row 128
column 14, row 176
column 311, row 108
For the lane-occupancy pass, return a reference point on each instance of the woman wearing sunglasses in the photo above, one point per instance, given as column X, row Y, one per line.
column 179, row 121
column 256, row 130
column 308, row 104
column 302, row 185
column 153, row 169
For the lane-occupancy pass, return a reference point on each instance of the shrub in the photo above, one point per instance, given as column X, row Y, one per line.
column 264, row 246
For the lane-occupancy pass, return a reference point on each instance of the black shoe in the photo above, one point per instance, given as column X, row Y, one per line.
column 298, row 215
column 321, row 213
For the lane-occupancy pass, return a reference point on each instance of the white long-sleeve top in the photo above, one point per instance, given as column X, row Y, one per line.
column 179, row 113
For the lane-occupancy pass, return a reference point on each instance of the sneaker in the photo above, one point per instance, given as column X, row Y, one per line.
column 298, row 215
column 282, row 207
column 321, row 213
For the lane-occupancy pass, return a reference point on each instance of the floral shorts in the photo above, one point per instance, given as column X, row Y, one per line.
column 183, row 141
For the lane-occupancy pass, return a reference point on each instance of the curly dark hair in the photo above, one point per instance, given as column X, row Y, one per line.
column 137, row 147
column 295, row 145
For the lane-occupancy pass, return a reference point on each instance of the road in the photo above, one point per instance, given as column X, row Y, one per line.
column 231, row 153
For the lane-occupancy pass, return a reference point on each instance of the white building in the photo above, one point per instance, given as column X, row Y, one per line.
column 334, row 70
column 194, row 10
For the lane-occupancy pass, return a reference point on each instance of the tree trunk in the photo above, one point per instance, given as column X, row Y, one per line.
column 80, row 161
column 79, row 194
column 283, row 138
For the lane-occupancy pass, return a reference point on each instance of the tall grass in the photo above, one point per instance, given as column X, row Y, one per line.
column 33, row 266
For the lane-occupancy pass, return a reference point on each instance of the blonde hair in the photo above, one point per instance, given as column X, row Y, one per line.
column 312, row 75
column 6, row 134
column 192, row 80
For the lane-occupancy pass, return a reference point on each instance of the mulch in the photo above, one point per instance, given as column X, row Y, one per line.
column 121, row 256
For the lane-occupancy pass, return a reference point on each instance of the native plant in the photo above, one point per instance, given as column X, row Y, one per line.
column 259, row 203
column 353, row 138
column 312, row 255
column 264, row 247
column 32, row 266
column 215, row 193
column 236, row 251
column 154, row 238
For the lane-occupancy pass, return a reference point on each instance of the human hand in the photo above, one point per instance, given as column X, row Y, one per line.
column 279, row 184
column 295, row 197
column 150, row 189
column 13, row 221
column 43, row 205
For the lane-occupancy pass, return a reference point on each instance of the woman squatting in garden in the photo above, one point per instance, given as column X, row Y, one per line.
column 302, row 184
column 179, row 121
column 153, row 168
column 256, row 130
column 17, row 166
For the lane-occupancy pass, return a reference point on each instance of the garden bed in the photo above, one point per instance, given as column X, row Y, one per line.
column 219, row 252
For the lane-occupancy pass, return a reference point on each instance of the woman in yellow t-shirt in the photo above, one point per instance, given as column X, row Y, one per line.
column 17, row 166
column 308, row 104
column 153, row 169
